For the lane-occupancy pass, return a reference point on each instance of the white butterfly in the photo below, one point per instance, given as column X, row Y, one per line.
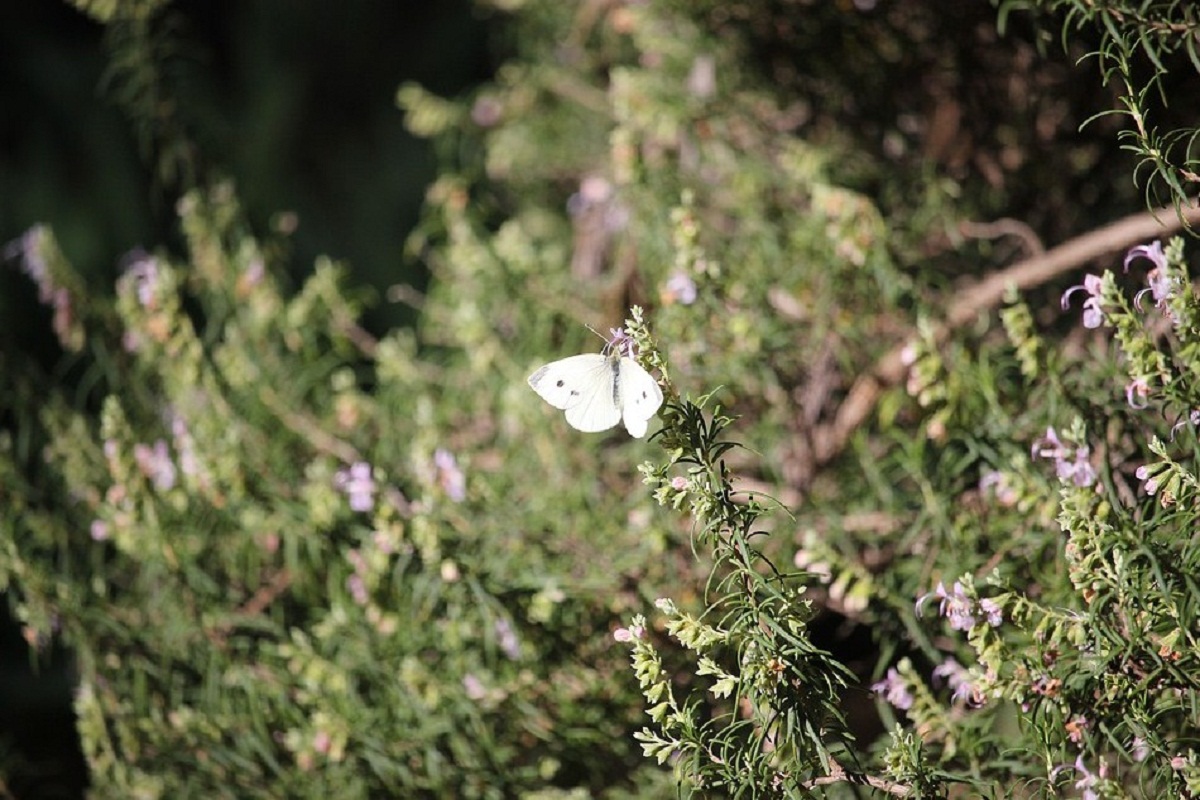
column 598, row 390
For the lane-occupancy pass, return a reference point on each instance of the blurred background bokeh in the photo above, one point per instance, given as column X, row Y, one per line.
column 295, row 103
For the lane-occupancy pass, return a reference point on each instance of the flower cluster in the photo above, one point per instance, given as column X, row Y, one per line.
column 960, row 607
column 358, row 483
column 1162, row 286
column 958, row 678
column 895, row 690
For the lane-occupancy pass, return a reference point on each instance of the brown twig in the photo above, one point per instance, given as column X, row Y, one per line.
column 839, row 775
column 968, row 304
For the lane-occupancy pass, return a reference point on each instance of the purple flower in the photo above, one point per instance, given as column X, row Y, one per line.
column 620, row 341
column 99, row 530
column 1093, row 314
column 993, row 611
column 356, row 583
column 474, row 687
column 185, row 446
column 450, row 477
column 955, row 605
column 487, row 111
column 629, row 634
column 998, row 482
column 894, row 690
column 1068, row 465
column 358, row 589
column 142, row 271
column 506, row 637
column 1150, row 480
column 358, row 484
column 959, row 680
column 679, row 288
column 1161, row 285
column 1085, row 783
column 1049, row 446
column 1152, row 252
column 155, row 463
column 597, row 195
column 1193, row 419
column 1136, row 392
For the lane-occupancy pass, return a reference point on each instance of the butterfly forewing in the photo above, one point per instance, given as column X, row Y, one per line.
column 584, row 386
column 564, row 383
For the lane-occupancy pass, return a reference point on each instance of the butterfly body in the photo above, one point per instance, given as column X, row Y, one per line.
column 598, row 390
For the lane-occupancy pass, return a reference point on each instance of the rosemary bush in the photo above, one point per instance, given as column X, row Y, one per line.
column 293, row 558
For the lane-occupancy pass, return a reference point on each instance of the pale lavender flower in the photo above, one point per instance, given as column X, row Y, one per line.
column 1086, row 783
column 99, row 530
column 450, row 476
column 143, row 271
column 1079, row 471
column 356, row 583
column 954, row 605
column 255, row 271
column 1152, row 252
column 598, row 193
column 1150, row 480
column 506, row 637
column 155, row 463
column 1192, row 419
column 1160, row 284
column 629, row 634
column 679, row 483
column 1049, row 446
column 993, row 611
column 358, row 484
column 1139, row 750
column 998, row 483
column 1136, row 393
column 1093, row 314
column 30, row 248
column 620, row 341
column 679, row 288
column 958, row 678
column 1069, row 465
column 358, row 589
column 185, row 446
column 474, row 687
column 894, row 690
column 487, row 111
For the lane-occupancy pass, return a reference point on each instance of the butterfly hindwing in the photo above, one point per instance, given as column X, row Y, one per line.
column 640, row 397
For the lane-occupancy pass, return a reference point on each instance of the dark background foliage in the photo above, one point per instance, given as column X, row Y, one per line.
column 295, row 102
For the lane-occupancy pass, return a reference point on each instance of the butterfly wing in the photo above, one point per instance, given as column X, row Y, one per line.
column 640, row 397
column 583, row 386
